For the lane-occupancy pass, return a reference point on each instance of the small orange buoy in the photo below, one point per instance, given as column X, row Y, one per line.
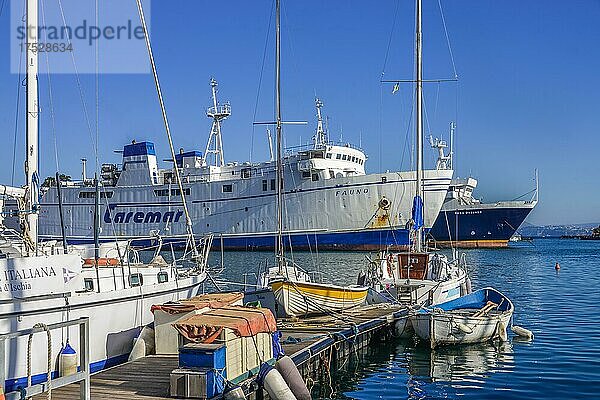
column 557, row 266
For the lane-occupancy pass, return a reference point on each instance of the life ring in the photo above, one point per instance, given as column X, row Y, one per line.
column 385, row 203
column 102, row 262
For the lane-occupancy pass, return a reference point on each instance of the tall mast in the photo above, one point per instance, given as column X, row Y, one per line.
column 320, row 135
column 217, row 113
column 279, row 251
column 419, row 122
column 31, row 157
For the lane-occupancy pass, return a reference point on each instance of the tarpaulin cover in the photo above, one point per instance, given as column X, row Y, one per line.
column 210, row 300
column 244, row 321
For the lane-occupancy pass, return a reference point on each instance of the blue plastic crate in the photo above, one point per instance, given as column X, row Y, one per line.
column 198, row 355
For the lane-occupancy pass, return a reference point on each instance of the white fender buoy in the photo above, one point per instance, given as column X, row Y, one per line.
column 464, row 328
column 147, row 334
column 234, row 393
column 274, row 384
column 67, row 361
column 502, row 331
column 143, row 344
column 522, row 332
column 468, row 285
column 291, row 375
column 139, row 349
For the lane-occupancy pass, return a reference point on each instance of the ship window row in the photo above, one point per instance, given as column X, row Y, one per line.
column 346, row 157
column 171, row 192
column 92, row 195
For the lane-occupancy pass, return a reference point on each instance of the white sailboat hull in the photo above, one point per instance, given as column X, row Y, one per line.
column 116, row 317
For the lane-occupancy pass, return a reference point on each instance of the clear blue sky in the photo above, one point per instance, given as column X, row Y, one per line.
column 528, row 95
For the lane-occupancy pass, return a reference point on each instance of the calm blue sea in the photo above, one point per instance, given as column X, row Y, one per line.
column 562, row 309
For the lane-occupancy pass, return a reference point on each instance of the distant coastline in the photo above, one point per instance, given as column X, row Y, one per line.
column 581, row 237
column 589, row 231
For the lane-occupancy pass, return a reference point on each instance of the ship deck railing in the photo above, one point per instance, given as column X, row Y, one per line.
column 311, row 146
column 82, row 376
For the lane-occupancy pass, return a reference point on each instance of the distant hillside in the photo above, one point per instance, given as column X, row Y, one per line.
column 557, row 230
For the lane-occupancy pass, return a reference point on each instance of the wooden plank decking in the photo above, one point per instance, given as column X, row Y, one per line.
column 148, row 378
column 143, row 379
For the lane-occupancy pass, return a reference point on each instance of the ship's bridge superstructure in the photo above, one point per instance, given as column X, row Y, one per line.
column 320, row 161
column 140, row 167
column 461, row 190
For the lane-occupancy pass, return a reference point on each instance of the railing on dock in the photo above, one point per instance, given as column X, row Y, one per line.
column 82, row 376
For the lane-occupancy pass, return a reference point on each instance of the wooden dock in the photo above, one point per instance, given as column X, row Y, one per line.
column 316, row 345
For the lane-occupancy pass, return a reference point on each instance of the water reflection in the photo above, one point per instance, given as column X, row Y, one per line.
column 403, row 370
column 460, row 363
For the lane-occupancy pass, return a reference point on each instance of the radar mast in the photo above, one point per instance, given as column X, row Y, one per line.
column 218, row 112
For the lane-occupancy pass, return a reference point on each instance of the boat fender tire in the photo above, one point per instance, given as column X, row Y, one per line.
column 274, row 383
column 289, row 371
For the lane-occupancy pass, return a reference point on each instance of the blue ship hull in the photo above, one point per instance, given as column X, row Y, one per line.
column 485, row 226
column 364, row 240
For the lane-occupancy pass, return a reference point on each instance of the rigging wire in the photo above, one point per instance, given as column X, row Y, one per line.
column 287, row 27
column 188, row 219
column 457, row 87
column 447, row 39
column 78, row 79
column 387, row 52
column 262, row 68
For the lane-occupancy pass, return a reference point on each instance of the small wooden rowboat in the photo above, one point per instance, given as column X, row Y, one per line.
column 304, row 298
column 477, row 317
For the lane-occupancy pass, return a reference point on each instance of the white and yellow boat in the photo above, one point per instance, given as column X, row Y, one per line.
column 303, row 298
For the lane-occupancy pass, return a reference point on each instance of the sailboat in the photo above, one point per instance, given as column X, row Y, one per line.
column 292, row 286
column 49, row 283
column 417, row 277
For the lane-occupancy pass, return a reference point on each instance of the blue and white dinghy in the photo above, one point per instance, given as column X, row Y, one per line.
column 477, row 317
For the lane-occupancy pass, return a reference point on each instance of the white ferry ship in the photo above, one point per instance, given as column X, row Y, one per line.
column 330, row 201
